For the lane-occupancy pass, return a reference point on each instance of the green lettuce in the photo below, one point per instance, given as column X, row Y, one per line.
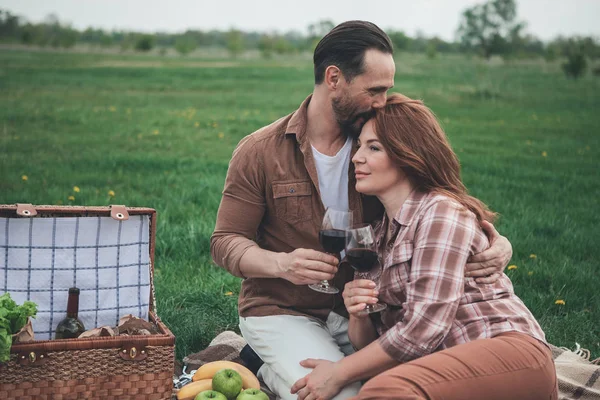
column 5, row 343
column 12, row 318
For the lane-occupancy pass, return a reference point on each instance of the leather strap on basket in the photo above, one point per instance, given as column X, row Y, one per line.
column 134, row 350
column 32, row 358
column 119, row 212
column 26, row 210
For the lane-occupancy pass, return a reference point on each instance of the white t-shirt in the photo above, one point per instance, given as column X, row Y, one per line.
column 333, row 176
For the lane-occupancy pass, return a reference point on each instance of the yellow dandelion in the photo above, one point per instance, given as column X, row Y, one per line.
column 228, row 293
column 24, row 177
column 112, row 108
column 76, row 189
column 214, row 125
column 111, row 193
column 544, row 154
column 155, row 132
column 511, row 267
column 71, row 198
column 196, row 124
column 221, row 135
column 560, row 302
column 532, row 256
column 530, row 273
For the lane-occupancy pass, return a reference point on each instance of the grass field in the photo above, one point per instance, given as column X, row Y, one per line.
column 159, row 132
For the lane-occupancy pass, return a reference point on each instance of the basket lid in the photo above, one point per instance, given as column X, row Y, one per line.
column 43, row 237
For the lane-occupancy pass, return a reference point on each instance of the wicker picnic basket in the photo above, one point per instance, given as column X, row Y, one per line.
column 119, row 367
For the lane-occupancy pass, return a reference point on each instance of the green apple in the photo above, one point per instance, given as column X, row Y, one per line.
column 210, row 395
column 228, row 382
column 252, row 394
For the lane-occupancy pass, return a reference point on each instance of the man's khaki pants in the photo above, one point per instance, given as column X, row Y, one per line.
column 282, row 341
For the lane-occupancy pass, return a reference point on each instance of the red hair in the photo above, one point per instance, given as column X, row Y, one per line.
column 415, row 141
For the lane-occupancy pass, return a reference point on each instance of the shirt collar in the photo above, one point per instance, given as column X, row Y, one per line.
column 406, row 214
column 299, row 120
column 410, row 208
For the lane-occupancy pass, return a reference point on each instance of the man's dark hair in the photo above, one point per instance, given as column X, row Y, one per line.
column 345, row 47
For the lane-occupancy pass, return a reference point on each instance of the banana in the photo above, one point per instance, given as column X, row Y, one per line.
column 207, row 371
column 189, row 391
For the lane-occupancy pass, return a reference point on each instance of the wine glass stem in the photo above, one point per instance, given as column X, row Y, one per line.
column 364, row 275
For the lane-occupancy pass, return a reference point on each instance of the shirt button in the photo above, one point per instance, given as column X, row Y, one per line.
column 292, row 190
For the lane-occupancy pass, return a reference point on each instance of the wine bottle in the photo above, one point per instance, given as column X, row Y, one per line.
column 71, row 327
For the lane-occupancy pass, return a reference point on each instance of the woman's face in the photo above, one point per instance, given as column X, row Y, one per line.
column 375, row 173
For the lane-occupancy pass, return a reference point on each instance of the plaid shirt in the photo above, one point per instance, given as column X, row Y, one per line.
column 431, row 304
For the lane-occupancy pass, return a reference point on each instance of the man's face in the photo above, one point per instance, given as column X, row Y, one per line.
column 356, row 101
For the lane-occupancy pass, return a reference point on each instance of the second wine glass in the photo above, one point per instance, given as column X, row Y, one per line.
column 333, row 237
column 361, row 253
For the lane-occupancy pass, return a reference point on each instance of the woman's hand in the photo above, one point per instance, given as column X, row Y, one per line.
column 488, row 266
column 357, row 294
column 322, row 383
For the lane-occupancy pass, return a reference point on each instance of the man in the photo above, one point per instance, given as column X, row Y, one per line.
column 280, row 181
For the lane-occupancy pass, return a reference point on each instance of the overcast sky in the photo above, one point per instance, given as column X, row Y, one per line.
column 545, row 18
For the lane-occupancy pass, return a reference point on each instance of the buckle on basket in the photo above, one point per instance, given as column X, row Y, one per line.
column 131, row 352
column 32, row 358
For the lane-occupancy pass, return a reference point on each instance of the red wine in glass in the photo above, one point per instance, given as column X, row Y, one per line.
column 361, row 253
column 361, row 259
column 333, row 238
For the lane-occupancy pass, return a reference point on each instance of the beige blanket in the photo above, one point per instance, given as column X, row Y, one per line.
column 578, row 378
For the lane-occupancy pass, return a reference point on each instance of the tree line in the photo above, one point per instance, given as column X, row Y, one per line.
column 491, row 28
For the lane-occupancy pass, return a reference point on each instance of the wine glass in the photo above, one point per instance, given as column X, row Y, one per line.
column 333, row 237
column 361, row 253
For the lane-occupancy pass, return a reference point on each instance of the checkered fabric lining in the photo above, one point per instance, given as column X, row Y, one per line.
column 108, row 260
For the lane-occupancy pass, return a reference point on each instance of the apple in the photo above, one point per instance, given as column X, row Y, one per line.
column 228, row 382
column 252, row 394
column 210, row 394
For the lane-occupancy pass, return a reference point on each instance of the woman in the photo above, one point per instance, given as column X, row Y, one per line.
column 442, row 336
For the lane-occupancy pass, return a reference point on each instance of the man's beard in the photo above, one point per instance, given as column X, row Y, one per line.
column 348, row 117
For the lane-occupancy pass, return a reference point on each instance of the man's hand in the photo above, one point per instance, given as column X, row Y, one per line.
column 321, row 383
column 305, row 266
column 488, row 265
